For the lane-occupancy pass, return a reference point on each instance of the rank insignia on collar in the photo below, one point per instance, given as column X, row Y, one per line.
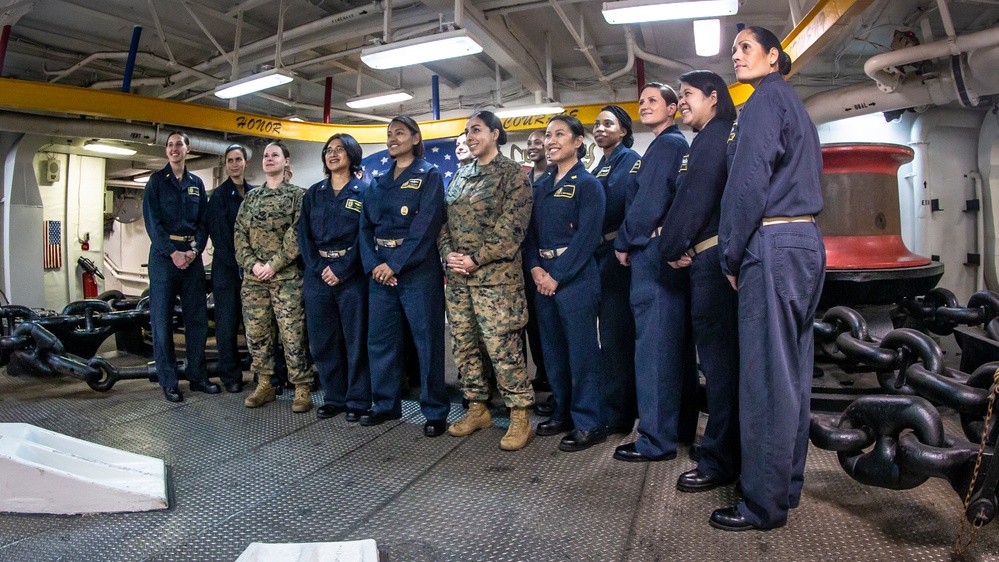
column 414, row 183
column 567, row 191
column 636, row 167
column 573, row 177
column 404, row 210
column 354, row 205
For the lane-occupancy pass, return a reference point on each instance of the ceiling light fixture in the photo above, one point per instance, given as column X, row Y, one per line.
column 529, row 110
column 141, row 179
column 253, row 83
column 384, row 98
column 707, row 37
column 638, row 11
column 108, row 149
column 445, row 45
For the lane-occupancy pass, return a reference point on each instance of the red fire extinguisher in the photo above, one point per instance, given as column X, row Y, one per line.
column 90, row 274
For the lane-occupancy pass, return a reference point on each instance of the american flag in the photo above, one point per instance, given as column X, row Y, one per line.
column 53, row 244
column 439, row 152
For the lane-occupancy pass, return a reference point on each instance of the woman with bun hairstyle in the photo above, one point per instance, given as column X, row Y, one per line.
column 772, row 252
column 402, row 216
column 566, row 223
column 488, row 211
column 266, row 241
column 618, row 173
column 690, row 239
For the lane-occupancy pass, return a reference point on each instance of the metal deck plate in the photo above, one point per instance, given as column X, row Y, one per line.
column 268, row 475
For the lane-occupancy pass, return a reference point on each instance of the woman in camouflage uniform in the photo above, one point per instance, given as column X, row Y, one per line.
column 266, row 243
column 488, row 211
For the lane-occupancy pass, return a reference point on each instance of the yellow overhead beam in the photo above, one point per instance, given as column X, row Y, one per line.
column 41, row 96
column 820, row 26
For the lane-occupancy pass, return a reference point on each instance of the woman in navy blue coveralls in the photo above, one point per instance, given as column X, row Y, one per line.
column 227, row 278
column 618, row 174
column 772, row 252
column 566, row 222
column 690, row 239
column 402, row 215
column 665, row 369
column 336, row 292
column 175, row 208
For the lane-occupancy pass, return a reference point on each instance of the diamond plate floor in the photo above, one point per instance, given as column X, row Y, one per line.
column 267, row 475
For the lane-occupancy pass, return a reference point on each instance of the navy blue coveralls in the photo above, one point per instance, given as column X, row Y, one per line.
column 665, row 368
column 566, row 219
column 692, row 220
column 174, row 210
column 774, row 184
column 409, row 208
column 619, row 176
column 337, row 316
column 532, row 336
column 226, row 277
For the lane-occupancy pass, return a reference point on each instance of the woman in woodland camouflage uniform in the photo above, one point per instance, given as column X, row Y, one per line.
column 266, row 243
column 488, row 211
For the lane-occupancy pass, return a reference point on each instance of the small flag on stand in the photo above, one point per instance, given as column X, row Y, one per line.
column 53, row 245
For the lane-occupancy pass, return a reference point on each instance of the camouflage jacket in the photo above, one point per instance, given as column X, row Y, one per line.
column 488, row 212
column 267, row 230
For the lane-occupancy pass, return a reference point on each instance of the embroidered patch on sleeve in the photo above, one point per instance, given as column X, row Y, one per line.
column 636, row 167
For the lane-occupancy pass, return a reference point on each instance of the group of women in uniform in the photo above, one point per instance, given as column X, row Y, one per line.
column 706, row 253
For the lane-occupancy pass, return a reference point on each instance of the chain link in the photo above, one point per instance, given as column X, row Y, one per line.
column 961, row 546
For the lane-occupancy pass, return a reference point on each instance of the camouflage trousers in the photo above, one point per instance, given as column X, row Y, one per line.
column 273, row 309
column 491, row 318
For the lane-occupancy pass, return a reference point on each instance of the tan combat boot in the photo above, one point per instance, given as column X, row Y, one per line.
column 477, row 417
column 519, row 431
column 303, row 398
column 263, row 394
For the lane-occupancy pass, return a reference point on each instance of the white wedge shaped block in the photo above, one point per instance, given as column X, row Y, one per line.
column 349, row 551
column 42, row 471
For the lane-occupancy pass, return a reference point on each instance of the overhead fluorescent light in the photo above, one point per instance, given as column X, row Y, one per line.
column 529, row 110
column 638, row 11
column 707, row 37
column 445, row 45
column 384, row 98
column 108, row 149
column 253, row 83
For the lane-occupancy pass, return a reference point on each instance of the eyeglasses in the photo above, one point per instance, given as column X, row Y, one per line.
column 334, row 150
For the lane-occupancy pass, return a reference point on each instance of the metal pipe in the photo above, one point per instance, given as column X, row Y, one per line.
column 159, row 31
column 662, row 61
column 882, row 68
column 4, row 39
column 280, row 31
column 435, row 96
column 795, row 12
column 111, row 130
column 499, row 85
column 640, row 75
column 140, row 56
column 387, row 22
column 583, row 47
column 327, row 99
column 948, row 23
column 133, row 49
column 234, row 63
column 549, row 91
column 629, row 41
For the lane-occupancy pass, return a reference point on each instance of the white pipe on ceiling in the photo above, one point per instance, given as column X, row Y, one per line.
column 882, row 68
column 111, row 130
